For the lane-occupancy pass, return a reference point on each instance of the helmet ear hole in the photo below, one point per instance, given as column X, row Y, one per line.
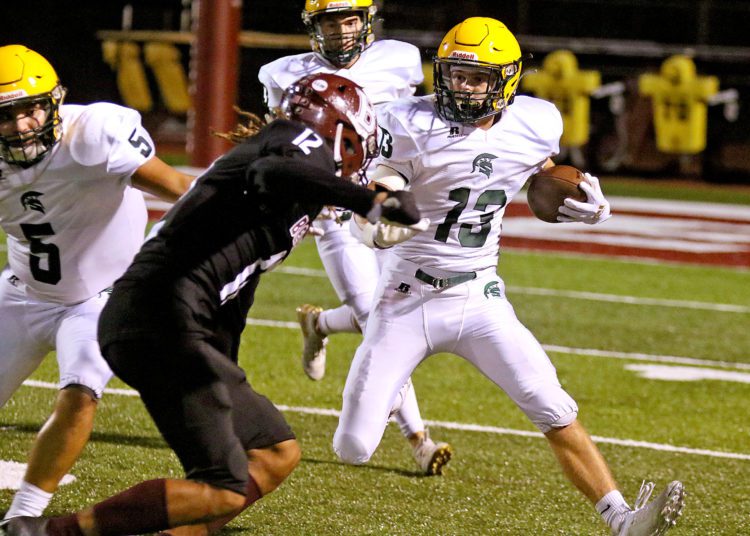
column 349, row 147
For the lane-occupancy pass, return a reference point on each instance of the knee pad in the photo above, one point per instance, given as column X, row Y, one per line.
column 350, row 449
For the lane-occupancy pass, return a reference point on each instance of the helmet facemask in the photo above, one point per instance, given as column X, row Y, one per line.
column 354, row 149
column 467, row 106
column 342, row 48
column 26, row 148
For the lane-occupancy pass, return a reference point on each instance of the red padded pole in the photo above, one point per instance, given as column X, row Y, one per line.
column 214, row 68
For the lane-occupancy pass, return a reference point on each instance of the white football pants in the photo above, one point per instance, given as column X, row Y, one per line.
column 411, row 320
column 30, row 329
column 353, row 270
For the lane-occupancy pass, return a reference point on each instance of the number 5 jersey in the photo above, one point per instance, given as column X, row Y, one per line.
column 73, row 221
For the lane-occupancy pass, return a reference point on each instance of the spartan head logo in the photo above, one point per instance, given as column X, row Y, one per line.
column 483, row 163
column 30, row 201
column 492, row 290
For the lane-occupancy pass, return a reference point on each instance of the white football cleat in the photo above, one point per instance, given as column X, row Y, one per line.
column 656, row 517
column 431, row 457
column 314, row 343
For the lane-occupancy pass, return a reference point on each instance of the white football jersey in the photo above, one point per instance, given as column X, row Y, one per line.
column 463, row 177
column 386, row 70
column 73, row 221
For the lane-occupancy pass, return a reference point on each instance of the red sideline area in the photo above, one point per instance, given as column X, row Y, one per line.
column 674, row 231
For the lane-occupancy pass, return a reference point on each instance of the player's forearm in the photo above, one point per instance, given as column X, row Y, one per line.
column 301, row 182
column 162, row 180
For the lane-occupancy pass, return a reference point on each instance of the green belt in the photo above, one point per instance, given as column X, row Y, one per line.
column 445, row 282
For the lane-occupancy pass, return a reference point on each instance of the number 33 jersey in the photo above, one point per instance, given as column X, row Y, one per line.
column 73, row 221
column 463, row 177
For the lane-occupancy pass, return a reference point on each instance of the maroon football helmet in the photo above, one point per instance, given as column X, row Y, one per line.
column 338, row 110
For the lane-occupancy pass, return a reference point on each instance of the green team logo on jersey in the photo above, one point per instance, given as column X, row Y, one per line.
column 483, row 162
column 492, row 290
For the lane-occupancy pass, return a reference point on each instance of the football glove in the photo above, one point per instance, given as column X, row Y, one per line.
column 381, row 235
column 594, row 210
column 396, row 207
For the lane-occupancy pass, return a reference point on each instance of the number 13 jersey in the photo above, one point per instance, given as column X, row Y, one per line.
column 463, row 177
column 73, row 221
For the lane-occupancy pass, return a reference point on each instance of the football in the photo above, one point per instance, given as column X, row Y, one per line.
column 550, row 187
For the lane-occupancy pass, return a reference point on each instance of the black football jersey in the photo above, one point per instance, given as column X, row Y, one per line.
column 241, row 218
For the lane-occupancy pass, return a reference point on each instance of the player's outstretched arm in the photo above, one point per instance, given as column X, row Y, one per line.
column 160, row 179
column 299, row 181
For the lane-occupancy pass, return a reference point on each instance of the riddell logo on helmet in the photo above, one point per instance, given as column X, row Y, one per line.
column 340, row 4
column 13, row 95
column 464, row 55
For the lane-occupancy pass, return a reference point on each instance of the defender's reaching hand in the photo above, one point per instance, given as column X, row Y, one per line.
column 394, row 207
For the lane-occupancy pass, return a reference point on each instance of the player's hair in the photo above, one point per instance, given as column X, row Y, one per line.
column 243, row 130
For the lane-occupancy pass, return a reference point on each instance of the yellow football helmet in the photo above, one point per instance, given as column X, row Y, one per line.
column 333, row 47
column 28, row 80
column 486, row 46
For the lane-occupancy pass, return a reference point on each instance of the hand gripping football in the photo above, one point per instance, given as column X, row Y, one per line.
column 550, row 187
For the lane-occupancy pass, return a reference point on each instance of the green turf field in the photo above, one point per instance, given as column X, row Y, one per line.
column 498, row 483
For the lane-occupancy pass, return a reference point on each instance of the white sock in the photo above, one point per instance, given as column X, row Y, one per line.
column 611, row 507
column 408, row 416
column 338, row 320
column 28, row 501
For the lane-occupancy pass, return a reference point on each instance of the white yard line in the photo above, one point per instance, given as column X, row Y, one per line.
column 634, row 300
column 574, row 294
column 474, row 428
column 579, row 295
column 634, row 356
column 12, row 473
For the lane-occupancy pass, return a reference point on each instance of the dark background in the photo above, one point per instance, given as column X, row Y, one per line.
column 620, row 38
